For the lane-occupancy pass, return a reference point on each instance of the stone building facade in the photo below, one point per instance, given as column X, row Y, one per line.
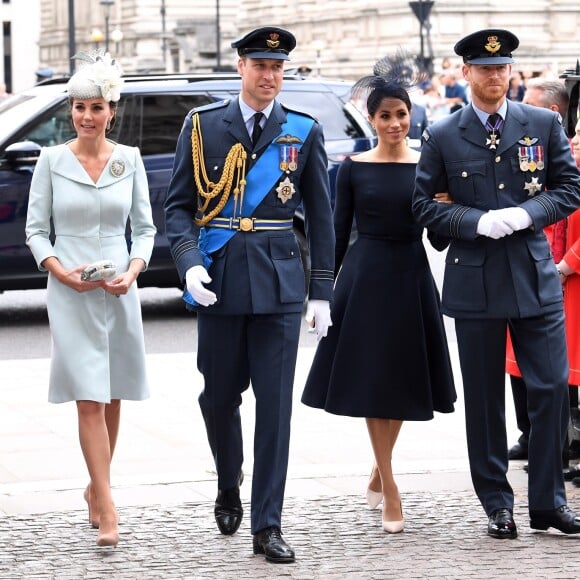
column 338, row 38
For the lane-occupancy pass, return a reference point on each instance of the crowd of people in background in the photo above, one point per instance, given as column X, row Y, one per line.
column 446, row 90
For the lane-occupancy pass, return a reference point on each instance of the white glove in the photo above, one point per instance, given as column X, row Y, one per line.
column 319, row 312
column 492, row 225
column 194, row 279
column 515, row 217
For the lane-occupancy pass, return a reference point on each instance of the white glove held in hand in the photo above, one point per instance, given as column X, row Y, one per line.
column 516, row 217
column 195, row 278
column 319, row 312
column 492, row 225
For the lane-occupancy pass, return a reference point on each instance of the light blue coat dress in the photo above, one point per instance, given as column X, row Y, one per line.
column 98, row 351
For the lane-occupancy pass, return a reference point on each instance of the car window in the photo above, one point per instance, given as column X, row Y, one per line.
column 51, row 128
column 162, row 118
column 328, row 109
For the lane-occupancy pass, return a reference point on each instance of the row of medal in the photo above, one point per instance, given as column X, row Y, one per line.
column 531, row 158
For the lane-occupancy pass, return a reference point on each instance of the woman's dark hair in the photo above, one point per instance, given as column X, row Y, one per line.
column 386, row 90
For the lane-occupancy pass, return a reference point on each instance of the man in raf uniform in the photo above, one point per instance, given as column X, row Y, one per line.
column 242, row 167
column 508, row 169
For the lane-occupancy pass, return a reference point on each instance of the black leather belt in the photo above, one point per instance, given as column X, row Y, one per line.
column 248, row 224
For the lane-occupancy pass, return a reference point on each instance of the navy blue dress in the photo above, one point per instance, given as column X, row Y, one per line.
column 386, row 354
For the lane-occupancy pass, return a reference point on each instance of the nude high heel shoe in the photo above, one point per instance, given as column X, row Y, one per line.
column 108, row 532
column 374, row 498
column 394, row 526
column 94, row 518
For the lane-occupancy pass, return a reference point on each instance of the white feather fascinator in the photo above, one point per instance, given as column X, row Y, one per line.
column 101, row 76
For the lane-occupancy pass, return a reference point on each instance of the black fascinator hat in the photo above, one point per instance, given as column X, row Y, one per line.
column 393, row 77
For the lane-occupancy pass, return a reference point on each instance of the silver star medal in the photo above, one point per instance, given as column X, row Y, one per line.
column 532, row 187
column 285, row 190
column 492, row 141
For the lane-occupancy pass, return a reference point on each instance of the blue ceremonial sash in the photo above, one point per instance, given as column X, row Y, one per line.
column 259, row 181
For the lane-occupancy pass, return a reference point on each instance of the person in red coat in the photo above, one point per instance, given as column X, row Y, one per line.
column 549, row 94
column 569, row 268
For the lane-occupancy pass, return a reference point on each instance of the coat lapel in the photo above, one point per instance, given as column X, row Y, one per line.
column 236, row 126
column 118, row 167
column 273, row 127
column 67, row 165
column 471, row 127
column 514, row 127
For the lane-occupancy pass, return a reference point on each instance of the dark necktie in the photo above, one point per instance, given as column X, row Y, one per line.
column 493, row 126
column 257, row 130
column 494, row 123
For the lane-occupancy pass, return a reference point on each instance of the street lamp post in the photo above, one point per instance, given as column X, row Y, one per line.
column 421, row 9
column 218, row 52
column 106, row 4
column 71, row 37
column 163, row 36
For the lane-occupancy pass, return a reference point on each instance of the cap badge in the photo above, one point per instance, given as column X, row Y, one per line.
column 492, row 45
column 273, row 41
column 117, row 168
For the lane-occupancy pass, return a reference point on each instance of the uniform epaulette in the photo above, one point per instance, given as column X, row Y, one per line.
column 209, row 107
column 287, row 108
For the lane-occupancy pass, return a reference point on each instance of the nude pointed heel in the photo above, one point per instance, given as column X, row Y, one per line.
column 374, row 498
column 110, row 537
column 394, row 526
column 94, row 518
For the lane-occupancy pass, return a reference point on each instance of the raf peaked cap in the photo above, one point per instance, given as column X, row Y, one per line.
column 491, row 46
column 266, row 42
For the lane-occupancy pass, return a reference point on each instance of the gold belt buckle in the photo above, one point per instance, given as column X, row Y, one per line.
column 246, row 224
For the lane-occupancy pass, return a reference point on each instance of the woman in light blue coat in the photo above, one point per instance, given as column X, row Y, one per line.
column 91, row 187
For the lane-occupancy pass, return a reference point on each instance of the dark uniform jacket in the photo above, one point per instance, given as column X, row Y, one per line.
column 255, row 272
column 514, row 276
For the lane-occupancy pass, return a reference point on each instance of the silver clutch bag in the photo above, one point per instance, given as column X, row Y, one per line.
column 101, row 270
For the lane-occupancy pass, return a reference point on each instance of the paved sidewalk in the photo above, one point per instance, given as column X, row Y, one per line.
column 164, row 486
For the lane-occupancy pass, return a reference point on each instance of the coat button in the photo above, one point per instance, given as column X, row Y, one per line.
column 501, row 186
column 464, row 174
column 498, row 159
column 254, row 156
column 456, row 261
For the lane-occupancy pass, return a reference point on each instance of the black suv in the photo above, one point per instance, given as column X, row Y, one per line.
column 150, row 116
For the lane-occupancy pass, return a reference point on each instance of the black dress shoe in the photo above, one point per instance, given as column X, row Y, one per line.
column 518, row 451
column 572, row 473
column 501, row 525
column 270, row 543
column 562, row 518
column 228, row 511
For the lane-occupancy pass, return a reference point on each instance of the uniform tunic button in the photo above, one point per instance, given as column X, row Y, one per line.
column 253, row 156
column 498, row 159
column 456, row 261
column 215, row 167
column 464, row 174
column 501, row 186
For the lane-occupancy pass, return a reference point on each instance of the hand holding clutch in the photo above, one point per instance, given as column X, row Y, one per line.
column 97, row 271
